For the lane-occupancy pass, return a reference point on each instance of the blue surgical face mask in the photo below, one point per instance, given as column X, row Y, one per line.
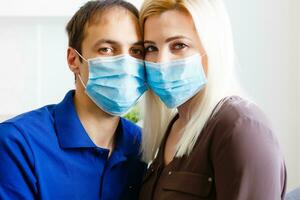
column 176, row 81
column 115, row 83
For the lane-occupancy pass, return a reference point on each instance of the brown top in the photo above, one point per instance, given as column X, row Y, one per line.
column 236, row 157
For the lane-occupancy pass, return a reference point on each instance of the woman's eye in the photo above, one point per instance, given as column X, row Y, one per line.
column 150, row 49
column 179, row 46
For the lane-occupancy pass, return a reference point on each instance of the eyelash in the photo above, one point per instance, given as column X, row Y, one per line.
column 148, row 51
column 101, row 50
column 133, row 50
column 183, row 46
column 173, row 47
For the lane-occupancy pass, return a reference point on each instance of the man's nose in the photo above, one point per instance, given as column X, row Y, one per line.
column 123, row 50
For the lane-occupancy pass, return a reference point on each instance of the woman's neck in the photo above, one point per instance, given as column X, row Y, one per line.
column 187, row 109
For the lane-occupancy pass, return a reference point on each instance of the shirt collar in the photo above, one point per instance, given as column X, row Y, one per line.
column 126, row 142
column 71, row 133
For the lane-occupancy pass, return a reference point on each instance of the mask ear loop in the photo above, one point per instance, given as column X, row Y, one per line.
column 81, row 81
column 79, row 76
column 81, row 56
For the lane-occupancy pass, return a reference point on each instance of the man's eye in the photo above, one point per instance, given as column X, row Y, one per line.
column 150, row 49
column 137, row 52
column 105, row 50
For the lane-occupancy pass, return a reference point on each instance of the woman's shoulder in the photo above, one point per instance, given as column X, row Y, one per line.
column 238, row 119
column 240, row 125
column 244, row 144
column 231, row 110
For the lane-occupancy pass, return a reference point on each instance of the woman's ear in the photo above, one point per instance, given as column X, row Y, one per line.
column 73, row 60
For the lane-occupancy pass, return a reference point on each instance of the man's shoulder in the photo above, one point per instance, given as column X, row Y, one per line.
column 40, row 114
column 25, row 122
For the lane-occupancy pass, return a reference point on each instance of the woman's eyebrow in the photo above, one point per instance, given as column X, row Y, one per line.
column 169, row 39
column 176, row 38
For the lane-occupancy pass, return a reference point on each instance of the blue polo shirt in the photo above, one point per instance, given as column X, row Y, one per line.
column 46, row 154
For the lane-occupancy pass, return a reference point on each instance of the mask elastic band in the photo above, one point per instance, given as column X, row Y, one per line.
column 79, row 74
column 81, row 81
column 80, row 55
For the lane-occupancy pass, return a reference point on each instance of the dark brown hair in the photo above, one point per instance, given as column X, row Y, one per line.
column 87, row 13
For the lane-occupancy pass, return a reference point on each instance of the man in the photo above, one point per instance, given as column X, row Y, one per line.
column 81, row 148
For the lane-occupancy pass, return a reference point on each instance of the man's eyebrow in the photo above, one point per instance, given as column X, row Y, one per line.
column 149, row 42
column 139, row 43
column 106, row 41
column 113, row 42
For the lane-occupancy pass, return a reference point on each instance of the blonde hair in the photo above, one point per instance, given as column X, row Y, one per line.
column 214, row 30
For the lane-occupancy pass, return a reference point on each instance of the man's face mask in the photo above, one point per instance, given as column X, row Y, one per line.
column 115, row 84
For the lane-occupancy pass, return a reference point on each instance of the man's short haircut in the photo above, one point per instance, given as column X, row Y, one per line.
column 87, row 14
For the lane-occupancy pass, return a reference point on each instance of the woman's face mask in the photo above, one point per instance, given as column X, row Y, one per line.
column 174, row 65
column 176, row 81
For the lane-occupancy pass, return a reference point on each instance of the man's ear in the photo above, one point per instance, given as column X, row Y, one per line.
column 73, row 60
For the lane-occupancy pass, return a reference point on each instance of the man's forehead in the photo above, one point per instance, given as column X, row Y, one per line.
column 100, row 35
column 111, row 14
column 114, row 32
column 118, row 42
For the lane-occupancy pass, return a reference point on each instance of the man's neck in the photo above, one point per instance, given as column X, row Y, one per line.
column 100, row 126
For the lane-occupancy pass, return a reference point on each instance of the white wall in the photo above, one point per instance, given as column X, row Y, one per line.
column 266, row 45
column 33, row 54
column 44, row 7
column 296, row 4
column 34, row 70
column 39, row 7
column 33, row 63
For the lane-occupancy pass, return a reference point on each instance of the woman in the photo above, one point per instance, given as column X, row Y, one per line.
column 204, row 142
